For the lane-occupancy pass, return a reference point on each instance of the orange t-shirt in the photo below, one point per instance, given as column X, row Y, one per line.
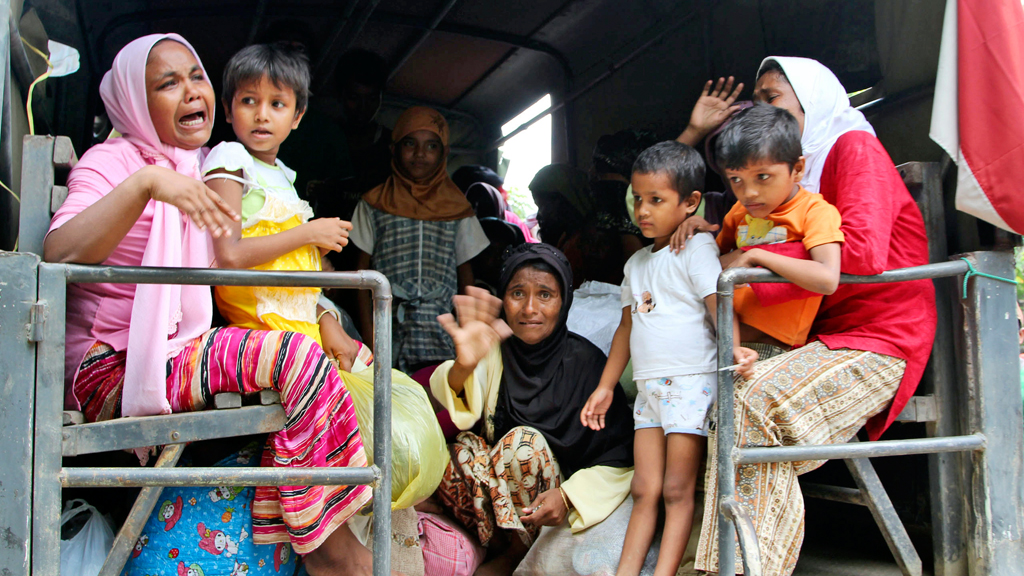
column 806, row 218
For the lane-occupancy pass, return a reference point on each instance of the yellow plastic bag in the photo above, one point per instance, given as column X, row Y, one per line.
column 419, row 454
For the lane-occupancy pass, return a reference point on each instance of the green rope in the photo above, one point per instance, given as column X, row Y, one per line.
column 972, row 272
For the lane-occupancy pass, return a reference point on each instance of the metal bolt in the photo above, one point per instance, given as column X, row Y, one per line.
column 175, row 435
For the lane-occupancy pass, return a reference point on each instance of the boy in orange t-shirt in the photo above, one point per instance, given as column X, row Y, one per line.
column 761, row 155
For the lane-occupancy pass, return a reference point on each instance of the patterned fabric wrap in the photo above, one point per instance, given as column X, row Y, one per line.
column 812, row 395
column 418, row 257
column 487, row 488
column 207, row 532
column 320, row 430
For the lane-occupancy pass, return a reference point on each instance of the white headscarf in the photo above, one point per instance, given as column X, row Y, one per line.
column 827, row 111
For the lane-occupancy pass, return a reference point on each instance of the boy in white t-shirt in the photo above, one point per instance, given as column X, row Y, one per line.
column 668, row 327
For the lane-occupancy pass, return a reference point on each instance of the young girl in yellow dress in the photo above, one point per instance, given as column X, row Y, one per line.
column 265, row 90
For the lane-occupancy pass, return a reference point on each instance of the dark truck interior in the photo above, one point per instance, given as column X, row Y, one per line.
column 608, row 65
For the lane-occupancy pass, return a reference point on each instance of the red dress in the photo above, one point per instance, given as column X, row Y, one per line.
column 884, row 231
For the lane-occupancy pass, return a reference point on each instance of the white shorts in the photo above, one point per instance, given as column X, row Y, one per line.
column 680, row 404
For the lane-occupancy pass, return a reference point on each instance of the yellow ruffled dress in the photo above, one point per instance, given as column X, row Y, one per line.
column 270, row 205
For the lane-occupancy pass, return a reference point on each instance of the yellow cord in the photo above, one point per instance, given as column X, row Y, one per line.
column 32, row 86
column 4, row 186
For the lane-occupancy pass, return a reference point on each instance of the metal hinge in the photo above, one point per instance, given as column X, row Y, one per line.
column 36, row 321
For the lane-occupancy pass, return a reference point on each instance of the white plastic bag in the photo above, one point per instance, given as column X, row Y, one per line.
column 595, row 313
column 84, row 553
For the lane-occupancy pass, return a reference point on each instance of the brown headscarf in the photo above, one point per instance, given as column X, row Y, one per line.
column 436, row 199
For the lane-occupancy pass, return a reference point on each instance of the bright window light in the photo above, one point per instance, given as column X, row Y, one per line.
column 526, row 153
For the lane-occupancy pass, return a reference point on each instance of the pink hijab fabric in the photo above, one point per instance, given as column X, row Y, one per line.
column 155, row 322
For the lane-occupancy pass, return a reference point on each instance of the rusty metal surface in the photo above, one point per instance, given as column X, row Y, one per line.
column 137, row 517
column 36, row 183
column 17, row 370
column 214, row 477
column 49, row 387
column 995, row 479
column 732, row 510
column 124, row 433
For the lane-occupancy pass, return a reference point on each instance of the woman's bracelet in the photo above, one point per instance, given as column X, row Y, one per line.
column 565, row 500
column 327, row 311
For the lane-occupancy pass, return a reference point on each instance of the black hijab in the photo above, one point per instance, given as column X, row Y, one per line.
column 546, row 385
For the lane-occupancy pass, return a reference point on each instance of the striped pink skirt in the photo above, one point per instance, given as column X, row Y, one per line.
column 320, row 429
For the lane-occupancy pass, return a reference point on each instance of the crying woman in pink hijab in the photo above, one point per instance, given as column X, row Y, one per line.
column 137, row 200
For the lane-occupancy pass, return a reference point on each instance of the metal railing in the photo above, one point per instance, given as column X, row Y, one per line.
column 732, row 516
column 53, row 279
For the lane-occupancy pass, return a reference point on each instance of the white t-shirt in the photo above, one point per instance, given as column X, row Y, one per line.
column 672, row 333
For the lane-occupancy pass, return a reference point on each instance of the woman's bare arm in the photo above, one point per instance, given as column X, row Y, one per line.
column 93, row 234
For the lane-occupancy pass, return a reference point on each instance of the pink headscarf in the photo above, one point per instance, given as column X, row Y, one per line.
column 163, row 317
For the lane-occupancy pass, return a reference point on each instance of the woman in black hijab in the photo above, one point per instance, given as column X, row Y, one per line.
column 534, row 463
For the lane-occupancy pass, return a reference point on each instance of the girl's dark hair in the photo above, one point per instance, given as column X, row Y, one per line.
column 761, row 132
column 682, row 164
column 282, row 64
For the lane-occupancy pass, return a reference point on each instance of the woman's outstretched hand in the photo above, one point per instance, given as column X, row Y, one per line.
column 547, row 510
column 193, row 198
column 713, row 108
column 687, row 229
column 478, row 327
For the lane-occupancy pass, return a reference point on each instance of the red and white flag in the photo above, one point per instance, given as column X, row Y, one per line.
column 978, row 112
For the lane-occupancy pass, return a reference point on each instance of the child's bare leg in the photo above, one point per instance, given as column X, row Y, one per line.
column 649, row 462
column 682, row 459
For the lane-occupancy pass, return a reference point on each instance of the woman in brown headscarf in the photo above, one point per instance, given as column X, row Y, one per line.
column 419, row 230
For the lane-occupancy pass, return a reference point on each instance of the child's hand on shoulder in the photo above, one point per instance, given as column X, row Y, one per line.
column 328, row 234
column 745, row 357
column 687, row 229
column 592, row 415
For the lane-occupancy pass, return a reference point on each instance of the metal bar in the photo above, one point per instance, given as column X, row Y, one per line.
column 137, row 517
column 49, row 405
column 995, row 478
column 80, row 273
column 213, row 477
column 832, row 493
column 876, row 449
column 877, row 501
column 726, row 428
column 438, row 17
column 747, row 534
column 926, row 272
column 382, row 428
column 127, row 433
column 593, row 83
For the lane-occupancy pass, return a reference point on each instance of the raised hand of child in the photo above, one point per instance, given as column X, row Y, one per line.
column 328, row 234
column 592, row 415
column 745, row 357
column 687, row 229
